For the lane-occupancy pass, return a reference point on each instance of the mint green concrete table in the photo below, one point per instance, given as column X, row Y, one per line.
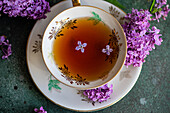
column 18, row 93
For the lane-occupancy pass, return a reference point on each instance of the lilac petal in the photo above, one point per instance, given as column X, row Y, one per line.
column 98, row 94
column 108, row 53
column 79, row 42
column 110, row 50
column 84, row 44
column 104, row 50
column 85, row 93
column 41, row 108
column 3, row 57
column 157, row 1
column 77, row 48
column 2, row 39
column 94, row 99
column 142, row 32
column 36, row 110
column 104, row 87
column 107, row 47
column 82, row 50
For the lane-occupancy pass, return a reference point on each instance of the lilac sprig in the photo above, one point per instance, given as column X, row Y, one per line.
column 99, row 94
column 32, row 9
column 140, row 38
column 160, row 9
column 5, row 47
column 41, row 110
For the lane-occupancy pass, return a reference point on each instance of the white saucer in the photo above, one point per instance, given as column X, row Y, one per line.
column 60, row 94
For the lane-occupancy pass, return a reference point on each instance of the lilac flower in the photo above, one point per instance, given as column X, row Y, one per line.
column 5, row 47
column 81, row 46
column 160, row 3
column 108, row 50
column 41, row 110
column 1, row 4
column 165, row 11
column 32, row 9
column 160, row 10
column 140, row 38
column 2, row 39
column 99, row 94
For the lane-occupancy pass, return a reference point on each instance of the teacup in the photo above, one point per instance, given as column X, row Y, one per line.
column 53, row 32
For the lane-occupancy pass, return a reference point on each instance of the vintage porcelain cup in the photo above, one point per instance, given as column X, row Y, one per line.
column 52, row 31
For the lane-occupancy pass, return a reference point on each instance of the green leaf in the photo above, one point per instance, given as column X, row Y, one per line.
column 116, row 3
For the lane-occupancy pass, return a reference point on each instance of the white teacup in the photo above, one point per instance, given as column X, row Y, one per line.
column 71, row 14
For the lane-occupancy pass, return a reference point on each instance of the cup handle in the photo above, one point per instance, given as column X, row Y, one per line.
column 76, row 3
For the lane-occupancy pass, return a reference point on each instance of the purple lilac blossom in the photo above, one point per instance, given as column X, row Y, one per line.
column 140, row 38
column 1, row 4
column 108, row 50
column 41, row 110
column 99, row 94
column 32, row 9
column 162, row 10
column 81, row 46
column 5, row 47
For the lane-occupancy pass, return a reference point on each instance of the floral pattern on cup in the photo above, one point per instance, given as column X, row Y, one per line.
column 37, row 44
column 56, row 31
column 72, row 79
column 114, row 37
column 96, row 18
column 114, row 12
column 53, row 83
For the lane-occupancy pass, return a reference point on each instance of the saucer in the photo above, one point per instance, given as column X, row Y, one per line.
column 61, row 94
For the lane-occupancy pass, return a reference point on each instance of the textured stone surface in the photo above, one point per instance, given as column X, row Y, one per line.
column 18, row 94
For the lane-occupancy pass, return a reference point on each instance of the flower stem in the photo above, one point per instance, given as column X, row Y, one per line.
column 152, row 5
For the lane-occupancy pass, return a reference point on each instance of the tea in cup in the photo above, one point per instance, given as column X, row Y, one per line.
column 84, row 47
